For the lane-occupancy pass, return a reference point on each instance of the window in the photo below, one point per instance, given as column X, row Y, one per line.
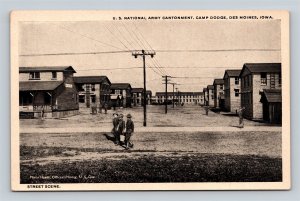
column 236, row 92
column 221, row 86
column 263, row 78
column 93, row 87
column 54, row 75
column 93, row 97
column 117, row 91
column 236, row 80
column 81, row 98
column 279, row 79
column 34, row 76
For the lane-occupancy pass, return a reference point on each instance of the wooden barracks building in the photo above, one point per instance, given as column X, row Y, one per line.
column 121, row 95
column 47, row 90
column 93, row 90
column 261, row 91
column 219, row 93
column 137, row 95
column 181, row 97
column 232, row 90
column 210, row 96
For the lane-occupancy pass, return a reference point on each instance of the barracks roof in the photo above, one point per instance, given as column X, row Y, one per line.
column 272, row 95
column 218, row 81
column 137, row 90
column 120, row 86
column 39, row 85
column 232, row 73
column 90, row 79
column 262, row 67
column 46, row 69
column 210, row 86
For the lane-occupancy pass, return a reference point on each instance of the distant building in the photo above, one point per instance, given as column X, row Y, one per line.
column 149, row 97
column 50, row 91
column 93, row 90
column 121, row 95
column 260, row 87
column 211, row 96
column 199, row 98
column 232, row 90
column 219, row 93
column 180, row 97
column 137, row 96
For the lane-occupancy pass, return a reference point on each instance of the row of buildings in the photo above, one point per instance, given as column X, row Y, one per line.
column 196, row 98
column 56, row 92
column 256, row 87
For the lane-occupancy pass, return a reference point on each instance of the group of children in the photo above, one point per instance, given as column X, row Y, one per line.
column 120, row 128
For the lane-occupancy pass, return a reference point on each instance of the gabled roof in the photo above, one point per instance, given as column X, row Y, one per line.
column 46, row 69
column 39, row 85
column 210, row 86
column 272, row 95
column 120, row 86
column 137, row 90
column 218, row 81
column 262, row 67
column 232, row 73
column 90, row 79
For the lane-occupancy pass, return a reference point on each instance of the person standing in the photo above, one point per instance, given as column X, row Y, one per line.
column 119, row 129
column 105, row 107
column 129, row 131
column 115, row 123
column 94, row 108
column 241, row 117
column 100, row 108
column 206, row 109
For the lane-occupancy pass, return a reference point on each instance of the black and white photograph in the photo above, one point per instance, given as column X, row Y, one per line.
column 150, row 100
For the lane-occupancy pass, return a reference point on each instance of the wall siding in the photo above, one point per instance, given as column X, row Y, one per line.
column 44, row 76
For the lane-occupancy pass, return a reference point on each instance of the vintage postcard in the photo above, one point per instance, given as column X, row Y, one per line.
column 150, row 100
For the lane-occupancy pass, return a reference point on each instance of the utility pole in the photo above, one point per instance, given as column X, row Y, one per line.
column 143, row 53
column 166, row 92
column 173, row 84
column 177, row 95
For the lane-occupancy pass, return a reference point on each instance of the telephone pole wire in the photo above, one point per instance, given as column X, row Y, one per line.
column 144, row 53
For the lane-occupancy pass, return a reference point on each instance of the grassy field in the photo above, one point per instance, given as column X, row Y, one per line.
column 193, row 167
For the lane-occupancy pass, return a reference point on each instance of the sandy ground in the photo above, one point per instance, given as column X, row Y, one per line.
column 94, row 146
column 186, row 116
column 210, row 146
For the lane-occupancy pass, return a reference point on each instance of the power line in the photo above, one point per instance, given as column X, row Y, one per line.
column 219, row 50
column 109, row 68
column 86, row 36
column 116, row 37
column 174, row 67
column 193, row 77
column 142, row 45
column 139, row 42
column 74, row 53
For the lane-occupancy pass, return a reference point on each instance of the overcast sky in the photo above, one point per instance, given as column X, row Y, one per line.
column 237, row 42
